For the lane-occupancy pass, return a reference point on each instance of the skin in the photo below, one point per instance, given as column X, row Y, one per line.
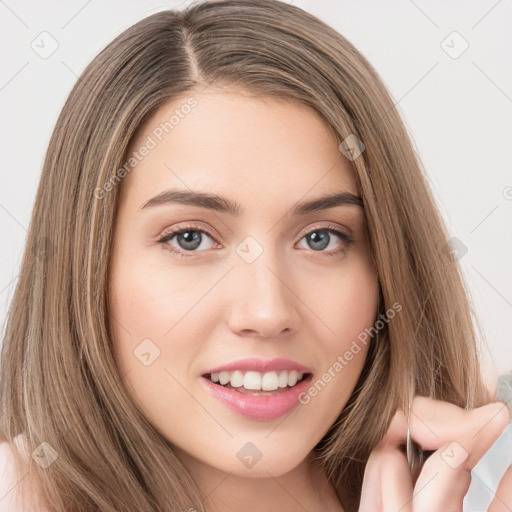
column 291, row 302
column 458, row 439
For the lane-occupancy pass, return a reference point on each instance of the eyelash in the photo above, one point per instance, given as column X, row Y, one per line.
column 166, row 237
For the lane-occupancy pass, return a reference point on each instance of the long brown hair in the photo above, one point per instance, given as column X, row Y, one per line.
column 58, row 381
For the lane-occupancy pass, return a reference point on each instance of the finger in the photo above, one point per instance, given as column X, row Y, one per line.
column 397, row 431
column 441, row 486
column 435, row 424
column 387, row 484
column 502, row 501
column 460, row 438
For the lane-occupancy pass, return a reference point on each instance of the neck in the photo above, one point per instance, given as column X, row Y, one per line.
column 305, row 487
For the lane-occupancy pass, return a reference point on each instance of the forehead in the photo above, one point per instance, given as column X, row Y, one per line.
column 232, row 142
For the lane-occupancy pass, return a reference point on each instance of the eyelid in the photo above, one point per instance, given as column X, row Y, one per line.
column 200, row 227
column 191, row 225
column 340, row 231
column 325, row 225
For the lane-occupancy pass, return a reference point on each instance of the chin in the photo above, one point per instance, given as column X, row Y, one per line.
column 260, row 459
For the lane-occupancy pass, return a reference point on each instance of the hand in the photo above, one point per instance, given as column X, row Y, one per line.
column 458, row 438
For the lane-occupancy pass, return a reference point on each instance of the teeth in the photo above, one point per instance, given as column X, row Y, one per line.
column 251, row 380
column 237, row 379
column 283, row 379
column 269, row 381
column 292, row 378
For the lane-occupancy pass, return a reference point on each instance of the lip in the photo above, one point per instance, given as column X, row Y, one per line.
column 259, row 407
column 261, row 365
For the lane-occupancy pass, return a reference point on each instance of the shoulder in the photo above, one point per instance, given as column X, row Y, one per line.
column 9, row 478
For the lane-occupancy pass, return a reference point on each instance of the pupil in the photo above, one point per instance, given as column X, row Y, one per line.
column 319, row 242
column 189, row 240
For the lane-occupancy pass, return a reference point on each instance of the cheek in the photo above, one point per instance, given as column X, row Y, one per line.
column 149, row 297
column 347, row 312
column 345, row 303
column 144, row 312
column 156, row 316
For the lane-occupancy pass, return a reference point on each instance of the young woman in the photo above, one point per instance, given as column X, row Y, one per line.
column 236, row 292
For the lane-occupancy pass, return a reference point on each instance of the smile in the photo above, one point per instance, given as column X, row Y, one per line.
column 258, row 396
column 257, row 381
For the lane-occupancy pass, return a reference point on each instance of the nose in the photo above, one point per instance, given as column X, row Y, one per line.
column 264, row 303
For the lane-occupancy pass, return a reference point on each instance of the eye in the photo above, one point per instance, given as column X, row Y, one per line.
column 320, row 238
column 189, row 239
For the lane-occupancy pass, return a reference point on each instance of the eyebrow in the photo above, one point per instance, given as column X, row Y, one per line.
column 223, row 205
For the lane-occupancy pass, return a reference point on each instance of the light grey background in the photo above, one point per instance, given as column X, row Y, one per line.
column 456, row 107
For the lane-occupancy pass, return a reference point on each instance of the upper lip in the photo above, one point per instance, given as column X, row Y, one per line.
column 261, row 365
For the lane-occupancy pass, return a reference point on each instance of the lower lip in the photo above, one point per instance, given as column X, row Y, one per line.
column 258, row 407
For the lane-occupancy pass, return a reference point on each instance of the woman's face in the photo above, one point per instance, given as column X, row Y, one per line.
column 253, row 275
